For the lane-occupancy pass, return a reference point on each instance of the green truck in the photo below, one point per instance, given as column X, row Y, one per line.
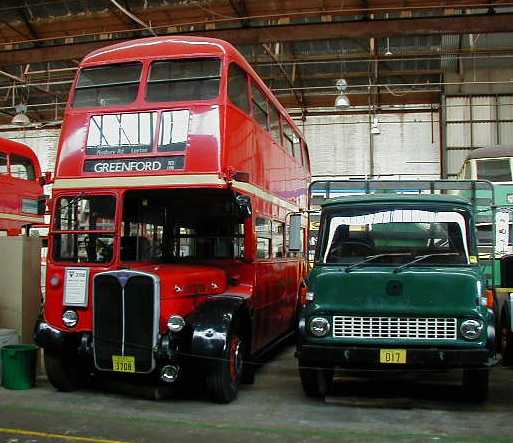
column 397, row 282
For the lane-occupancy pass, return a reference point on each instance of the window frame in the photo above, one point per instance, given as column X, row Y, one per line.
column 254, row 104
column 264, row 236
column 236, row 66
column 77, row 87
column 9, row 168
column 147, row 80
column 53, row 233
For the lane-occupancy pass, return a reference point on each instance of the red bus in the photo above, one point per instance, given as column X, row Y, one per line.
column 21, row 193
column 175, row 244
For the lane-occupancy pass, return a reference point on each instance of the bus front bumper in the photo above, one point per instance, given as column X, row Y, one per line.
column 369, row 357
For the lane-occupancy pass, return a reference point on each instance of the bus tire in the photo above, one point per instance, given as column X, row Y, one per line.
column 476, row 383
column 316, row 381
column 63, row 372
column 224, row 379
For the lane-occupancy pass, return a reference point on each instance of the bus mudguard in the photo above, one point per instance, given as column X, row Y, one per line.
column 212, row 323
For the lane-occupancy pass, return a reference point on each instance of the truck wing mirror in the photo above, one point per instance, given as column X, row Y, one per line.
column 244, row 205
column 295, row 233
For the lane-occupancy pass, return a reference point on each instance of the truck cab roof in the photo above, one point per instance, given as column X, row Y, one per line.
column 396, row 198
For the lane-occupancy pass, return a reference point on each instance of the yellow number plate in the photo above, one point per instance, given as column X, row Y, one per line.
column 121, row 363
column 392, row 356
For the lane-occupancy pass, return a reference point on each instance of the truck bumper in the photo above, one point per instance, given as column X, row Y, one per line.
column 368, row 357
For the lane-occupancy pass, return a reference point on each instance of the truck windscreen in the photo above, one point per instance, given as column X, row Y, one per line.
column 395, row 235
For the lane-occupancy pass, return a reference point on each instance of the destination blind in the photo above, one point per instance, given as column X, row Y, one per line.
column 147, row 164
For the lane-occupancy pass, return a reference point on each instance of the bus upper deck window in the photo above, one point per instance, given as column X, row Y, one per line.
column 189, row 79
column 22, row 167
column 3, row 163
column 107, row 85
column 495, row 170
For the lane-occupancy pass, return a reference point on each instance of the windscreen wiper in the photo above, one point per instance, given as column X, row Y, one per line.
column 373, row 257
column 423, row 257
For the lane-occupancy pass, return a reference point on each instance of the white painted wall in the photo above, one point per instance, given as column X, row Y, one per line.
column 408, row 145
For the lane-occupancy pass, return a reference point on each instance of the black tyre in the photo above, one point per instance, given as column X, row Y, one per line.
column 506, row 341
column 224, row 380
column 316, row 381
column 475, row 384
column 64, row 372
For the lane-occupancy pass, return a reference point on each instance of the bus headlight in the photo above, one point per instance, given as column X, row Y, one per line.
column 175, row 323
column 70, row 318
column 471, row 329
column 319, row 326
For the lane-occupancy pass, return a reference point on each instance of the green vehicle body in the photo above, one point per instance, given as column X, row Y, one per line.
column 380, row 291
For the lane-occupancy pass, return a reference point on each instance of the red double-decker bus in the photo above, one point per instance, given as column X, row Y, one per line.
column 21, row 193
column 176, row 238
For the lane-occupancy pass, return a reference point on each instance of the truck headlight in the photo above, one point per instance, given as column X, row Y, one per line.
column 471, row 329
column 175, row 323
column 70, row 318
column 319, row 326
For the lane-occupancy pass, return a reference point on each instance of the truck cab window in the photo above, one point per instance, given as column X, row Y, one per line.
column 107, row 85
column 495, row 170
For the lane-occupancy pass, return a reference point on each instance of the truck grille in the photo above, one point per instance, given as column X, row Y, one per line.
column 395, row 327
column 126, row 314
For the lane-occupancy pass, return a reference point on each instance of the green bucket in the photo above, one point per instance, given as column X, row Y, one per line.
column 19, row 366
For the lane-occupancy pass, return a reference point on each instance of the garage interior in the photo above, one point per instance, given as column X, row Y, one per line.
column 419, row 84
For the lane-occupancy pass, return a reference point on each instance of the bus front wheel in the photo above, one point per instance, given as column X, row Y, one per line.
column 63, row 372
column 224, row 380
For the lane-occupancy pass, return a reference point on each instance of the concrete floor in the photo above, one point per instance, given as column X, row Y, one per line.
column 397, row 408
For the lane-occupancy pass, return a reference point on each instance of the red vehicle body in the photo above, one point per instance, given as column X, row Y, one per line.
column 177, row 176
column 21, row 192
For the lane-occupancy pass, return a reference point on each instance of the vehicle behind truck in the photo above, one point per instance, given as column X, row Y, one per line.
column 494, row 163
column 397, row 283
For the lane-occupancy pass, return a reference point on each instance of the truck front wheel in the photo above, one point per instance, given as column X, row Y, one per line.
column 63, row 372
column 224, row 380
column 475, row 384
column 316, row 381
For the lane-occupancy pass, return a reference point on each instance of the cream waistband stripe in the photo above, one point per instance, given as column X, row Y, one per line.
column 163, row 180
column 16, row 217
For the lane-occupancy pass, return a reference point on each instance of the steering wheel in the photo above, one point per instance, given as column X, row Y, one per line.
column 351, row 243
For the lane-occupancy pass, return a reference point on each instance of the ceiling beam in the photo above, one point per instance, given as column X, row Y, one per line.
column 385, row 98
column 479, row 24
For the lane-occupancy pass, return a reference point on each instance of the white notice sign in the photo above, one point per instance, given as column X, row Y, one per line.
column 75, row 286
column 501, row 232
